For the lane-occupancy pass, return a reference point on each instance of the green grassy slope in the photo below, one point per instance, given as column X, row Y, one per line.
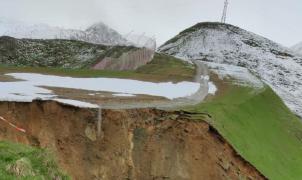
column 161, row 68
column 36, row 164
column 168, row 67
column 55, row 53
column 262, row 129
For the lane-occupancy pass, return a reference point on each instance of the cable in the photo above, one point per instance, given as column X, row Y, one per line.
column 12, row 125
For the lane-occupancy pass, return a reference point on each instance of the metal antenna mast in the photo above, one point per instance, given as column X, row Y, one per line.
column 225, row 9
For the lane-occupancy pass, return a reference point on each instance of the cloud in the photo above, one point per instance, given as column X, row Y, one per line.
column 278, row 20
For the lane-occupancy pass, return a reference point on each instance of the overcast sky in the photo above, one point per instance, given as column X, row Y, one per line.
column 279, row 20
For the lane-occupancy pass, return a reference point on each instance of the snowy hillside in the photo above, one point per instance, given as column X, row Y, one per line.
column 297, row 48
column 227, row 44
column 236, row 74
column 98, row 33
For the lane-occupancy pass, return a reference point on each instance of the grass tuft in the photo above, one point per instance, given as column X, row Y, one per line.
column 27, row 163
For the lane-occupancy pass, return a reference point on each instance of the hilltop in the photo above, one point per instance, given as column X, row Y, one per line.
column 228, row 44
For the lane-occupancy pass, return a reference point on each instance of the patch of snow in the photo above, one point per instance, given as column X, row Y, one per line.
column 207, row 78
column 212, row 88
column 76, row 103
column 124, row 95
column 241, row 75
column 168, row 89
column 22, row 91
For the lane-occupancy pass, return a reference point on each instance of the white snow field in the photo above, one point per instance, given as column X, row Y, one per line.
column 226, row 44
column 31, row 89
column 76, row 103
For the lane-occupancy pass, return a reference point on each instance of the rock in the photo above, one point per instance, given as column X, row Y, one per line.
column 90, row 133
column 21, row 167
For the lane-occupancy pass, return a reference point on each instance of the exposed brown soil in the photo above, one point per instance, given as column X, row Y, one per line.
column 134, row 144
column 5, row 78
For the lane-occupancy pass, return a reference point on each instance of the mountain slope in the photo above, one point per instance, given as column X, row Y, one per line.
column 297, row 48
column 258, row 124
column 227, row 44
column 55, row 53
column 98, row 33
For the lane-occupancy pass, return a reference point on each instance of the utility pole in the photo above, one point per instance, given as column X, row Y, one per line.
column 225, row 9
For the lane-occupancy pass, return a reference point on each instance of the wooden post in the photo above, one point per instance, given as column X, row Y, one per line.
column 99, row 123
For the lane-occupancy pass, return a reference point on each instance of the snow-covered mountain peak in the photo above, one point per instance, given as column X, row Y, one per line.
column 223, row 37
column 227, row 44
column 98, row 33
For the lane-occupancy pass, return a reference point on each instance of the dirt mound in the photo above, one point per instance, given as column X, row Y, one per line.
column 132, row 144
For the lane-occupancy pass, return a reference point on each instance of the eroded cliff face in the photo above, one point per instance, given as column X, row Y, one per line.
column 131, row 144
